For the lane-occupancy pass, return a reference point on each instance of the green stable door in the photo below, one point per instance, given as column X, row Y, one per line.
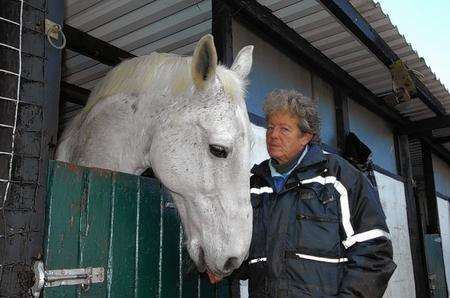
column 123, row 226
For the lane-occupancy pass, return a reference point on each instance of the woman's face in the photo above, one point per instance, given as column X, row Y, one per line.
column 283, row 136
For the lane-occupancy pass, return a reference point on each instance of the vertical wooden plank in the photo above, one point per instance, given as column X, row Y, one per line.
column 190, row 276
column 435, row 266
column 170, row 281
column 147, row 261
column 94, row 227
column 207, row 290
column 122, row 250
column 63, row 222
column 342, row 116
column 430, row 190
column 222, row 32
column 414, row 218
column 223, row 289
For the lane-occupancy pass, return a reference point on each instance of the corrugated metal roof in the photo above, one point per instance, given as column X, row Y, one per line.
column 137, row 26
column 313, row 22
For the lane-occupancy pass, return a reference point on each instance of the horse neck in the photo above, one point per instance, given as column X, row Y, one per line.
column 107, row 136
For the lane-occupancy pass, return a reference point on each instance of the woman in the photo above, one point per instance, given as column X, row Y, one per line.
column 318, row 228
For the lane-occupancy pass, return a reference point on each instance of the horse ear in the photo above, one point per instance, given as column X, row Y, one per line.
column 243, row 62
column 204, row 61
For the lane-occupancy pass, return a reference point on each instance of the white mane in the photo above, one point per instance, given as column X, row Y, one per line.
column 157, row 71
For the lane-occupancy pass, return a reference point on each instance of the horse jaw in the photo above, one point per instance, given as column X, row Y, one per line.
column 212, row 194
column 216, row 242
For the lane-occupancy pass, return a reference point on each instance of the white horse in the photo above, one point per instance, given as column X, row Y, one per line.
column 185, row 117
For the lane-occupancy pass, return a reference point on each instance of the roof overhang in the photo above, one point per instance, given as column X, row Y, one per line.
column 349, row 44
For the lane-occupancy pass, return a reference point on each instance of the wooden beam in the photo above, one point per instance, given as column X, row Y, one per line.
column 94, row 48
column 442, row 140
column 427, row 97
column 74, row 94
column 344, row 11
column 437, row 149
column 413, row 215
column 222, row 31
column 426, row 125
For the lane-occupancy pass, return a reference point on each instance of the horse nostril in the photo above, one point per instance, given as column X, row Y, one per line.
column 231, row 264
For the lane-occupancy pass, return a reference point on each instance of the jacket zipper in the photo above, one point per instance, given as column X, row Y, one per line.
column 315, row 218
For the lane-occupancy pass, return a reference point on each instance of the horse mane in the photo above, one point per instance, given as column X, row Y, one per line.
column 162, row 72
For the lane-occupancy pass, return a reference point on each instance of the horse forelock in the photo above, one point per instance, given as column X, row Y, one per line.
column 233, row 85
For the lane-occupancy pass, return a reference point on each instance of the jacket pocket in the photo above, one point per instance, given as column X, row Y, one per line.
column 318, row 199
column 257, row 268
column 317, row 278
column 316, row 235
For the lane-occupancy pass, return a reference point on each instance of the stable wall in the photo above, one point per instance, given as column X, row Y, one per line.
column 441, row 176
column 392, row 197
column 376, row 133
column 441, row 171
column 444, row 225
column 323, row 93
column 272, row 69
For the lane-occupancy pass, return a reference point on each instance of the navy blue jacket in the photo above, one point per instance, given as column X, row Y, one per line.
column 323, row 235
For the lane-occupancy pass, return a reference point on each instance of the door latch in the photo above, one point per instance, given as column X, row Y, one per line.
column 64, row 277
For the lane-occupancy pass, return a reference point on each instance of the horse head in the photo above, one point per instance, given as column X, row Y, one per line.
column 201, row 153
column 185, row 117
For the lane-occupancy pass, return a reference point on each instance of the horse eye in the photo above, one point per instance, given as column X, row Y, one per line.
column 218, row 151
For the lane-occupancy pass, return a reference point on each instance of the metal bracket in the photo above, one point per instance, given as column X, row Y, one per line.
column 51, row 29
column 64, row 277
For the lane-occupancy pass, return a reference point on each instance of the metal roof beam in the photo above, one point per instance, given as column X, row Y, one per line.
column 426, row 125
column 74, row 94
column 94, row 48
column 442, row 140
column 344, row 11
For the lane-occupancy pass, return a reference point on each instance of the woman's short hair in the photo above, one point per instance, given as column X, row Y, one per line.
column 299, row 106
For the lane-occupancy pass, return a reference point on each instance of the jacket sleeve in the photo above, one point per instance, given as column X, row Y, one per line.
column 368, row 249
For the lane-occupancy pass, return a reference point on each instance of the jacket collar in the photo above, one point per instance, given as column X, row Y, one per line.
column 314, row 157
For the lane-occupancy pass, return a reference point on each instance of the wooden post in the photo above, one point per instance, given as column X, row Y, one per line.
column 416, row 239
column 29, row 94
column 342, row 118
column 430, row 190
column 222, row 32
